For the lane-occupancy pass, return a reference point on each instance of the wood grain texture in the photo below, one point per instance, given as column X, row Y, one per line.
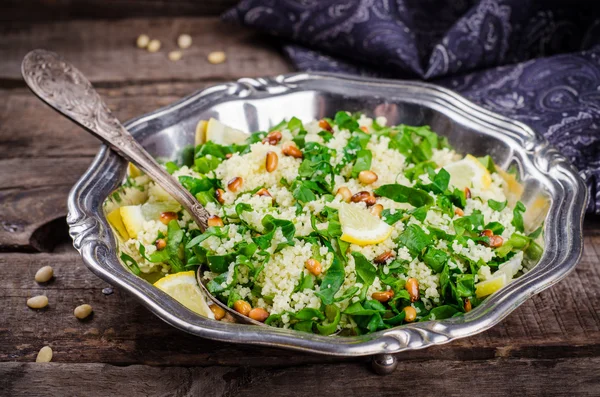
column 560, row 322
column 512, row 377
column 29, row 128
column 105, row 51
column 52, row 10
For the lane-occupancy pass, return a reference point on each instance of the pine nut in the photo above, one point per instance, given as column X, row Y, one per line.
column 242, row 307
column 383, row 258
column 365, row 129
column 142, row 41
column 235, row 184
column 215, row 220
column 44, row 355
column 167, row 217
column 273, row 138
column 290, row 149
column 410, row 314
column 263, row 193
column 486, row 233
column 37, row 302
column 412, row 286
column 153, row 45
column 376, row 210
column 216, row 57
column 160, row 244
column 82, row 311
column 467, row 193
column 175, row 56
column 496, row 241
column 383, row 296
column 271, row 161
column 324, row 124
column 365, row 197
column 228, row 318
column 219, row 195
column 228, row 156
column 459, row 211
column 44, row 274
column 217, row 311
column 184, row 41
column 313, row 266
column 467, row 305
column 258, row 314
column 344, row 193
column 367, row 177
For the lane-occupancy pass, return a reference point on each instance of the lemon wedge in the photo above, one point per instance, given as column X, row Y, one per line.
column 200, row 137
column 184, row 288
column 133, row 171
column 468, row 172
column 218, row 132
column 512, row 187
column 490, row 286
column 511, row 267
column 360, row 227
column 116, row 221
column 133, row 219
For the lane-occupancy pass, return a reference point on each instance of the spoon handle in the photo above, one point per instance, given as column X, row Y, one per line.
column 67, row 90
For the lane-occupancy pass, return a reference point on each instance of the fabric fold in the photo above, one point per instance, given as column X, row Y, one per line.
column 537, row 62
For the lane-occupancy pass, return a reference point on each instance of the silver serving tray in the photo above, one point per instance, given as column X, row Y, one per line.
column 256, row 104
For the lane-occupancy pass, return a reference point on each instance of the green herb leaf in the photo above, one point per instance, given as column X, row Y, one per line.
column 295, row 124
column 487, row 163
column 441, row 312
column 171, row 167
column 415, row 239
column 465, row 285
column 365, row 270
column 363, row 162
column 517, row 220
column 130, row 263
column 497, row 205
column 206, row 164
column 333, row 316
column 537, row 232
column 174, row 239
column 195, row 185
column 496, row 227
column 390, row 218
column 333, row 280
column 309, row 314
column 307, row 281
column 271, row 224
column 405, row 194
column 345, row 121
column 435, row 259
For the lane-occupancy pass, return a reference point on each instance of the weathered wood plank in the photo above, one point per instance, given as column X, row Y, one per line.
column 29, row 128
column 33, row 193
column 519, row 377
column 34, row 219
column 554, row 324
column 44, row 10
column 106, row 53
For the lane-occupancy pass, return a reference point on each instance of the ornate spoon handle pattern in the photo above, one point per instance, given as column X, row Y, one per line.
column 67, row 90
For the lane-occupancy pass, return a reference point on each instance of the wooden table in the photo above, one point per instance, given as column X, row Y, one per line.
column 548, row 346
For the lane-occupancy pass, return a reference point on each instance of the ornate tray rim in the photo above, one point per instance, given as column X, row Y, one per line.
column 93, row 238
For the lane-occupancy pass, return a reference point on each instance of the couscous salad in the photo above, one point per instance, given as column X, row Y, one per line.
column 340, row 226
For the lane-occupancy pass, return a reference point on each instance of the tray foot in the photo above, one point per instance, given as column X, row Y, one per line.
column 384, row 364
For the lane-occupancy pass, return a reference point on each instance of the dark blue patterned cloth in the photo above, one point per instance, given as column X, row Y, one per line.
column 535, row 61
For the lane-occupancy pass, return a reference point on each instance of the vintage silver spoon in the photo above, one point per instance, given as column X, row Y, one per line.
column 68, row 91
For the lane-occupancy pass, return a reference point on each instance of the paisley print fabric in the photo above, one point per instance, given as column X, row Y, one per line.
column 535, row 61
